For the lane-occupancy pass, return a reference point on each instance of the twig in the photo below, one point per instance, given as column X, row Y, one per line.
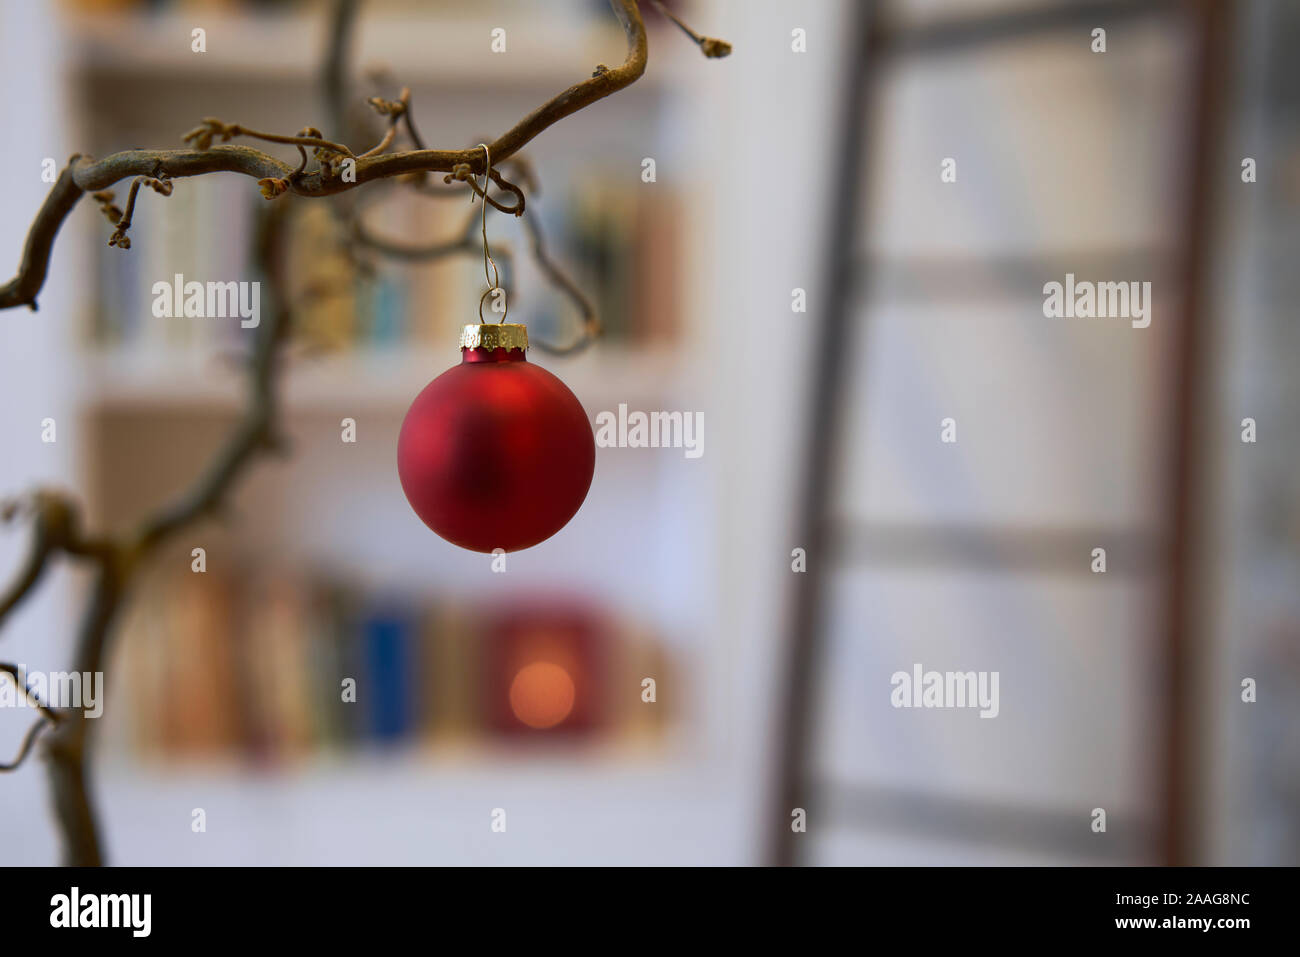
column 31, row 571
column 709, row 46
column 29, row 739
column 464, row 241
column 409, row 119
column 202, row 135
column 55, row 528
column 119, row 238
column 464, row 174
column 44, row 709
column 389, row 135
column 590, row 328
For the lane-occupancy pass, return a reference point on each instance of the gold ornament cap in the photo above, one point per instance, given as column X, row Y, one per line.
column 494, row 335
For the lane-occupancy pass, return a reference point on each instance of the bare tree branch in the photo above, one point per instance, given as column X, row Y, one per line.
column 48, row 717
column 35, row 702
column 66, row 747
column 29, row 739
column 56, row 527
column 29, row 574
column 35, row 264
column 465, row 241
column 202, row 135
column 84, row 174
column 558, row 278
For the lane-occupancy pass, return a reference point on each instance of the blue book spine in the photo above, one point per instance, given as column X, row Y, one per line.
column 391, row 672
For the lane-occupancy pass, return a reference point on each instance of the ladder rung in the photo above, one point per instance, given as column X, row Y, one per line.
column 1054, row 550
column 951, row 34
column 1048, row 830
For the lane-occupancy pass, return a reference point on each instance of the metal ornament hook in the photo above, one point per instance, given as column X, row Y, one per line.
column 494, row 279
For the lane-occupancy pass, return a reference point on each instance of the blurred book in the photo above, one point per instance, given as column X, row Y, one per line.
column 273, row 666
column 199, row 690
column 390, row 674
column 275, row 646
column 335, row 665
column 544, row 670
column 451, row 655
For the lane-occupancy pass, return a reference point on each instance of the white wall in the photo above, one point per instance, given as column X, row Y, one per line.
column 34, row 380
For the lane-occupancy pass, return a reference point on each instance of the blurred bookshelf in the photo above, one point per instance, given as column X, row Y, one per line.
column 283, row 40
column 377, row 337
column 252, row 670
column 156, row 394
column 127, row 378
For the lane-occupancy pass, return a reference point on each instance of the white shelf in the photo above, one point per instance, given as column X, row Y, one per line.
column 175, row 380
column 639, row 809
column 554, row 51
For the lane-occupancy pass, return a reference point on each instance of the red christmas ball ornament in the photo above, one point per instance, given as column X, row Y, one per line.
column 496, row 452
